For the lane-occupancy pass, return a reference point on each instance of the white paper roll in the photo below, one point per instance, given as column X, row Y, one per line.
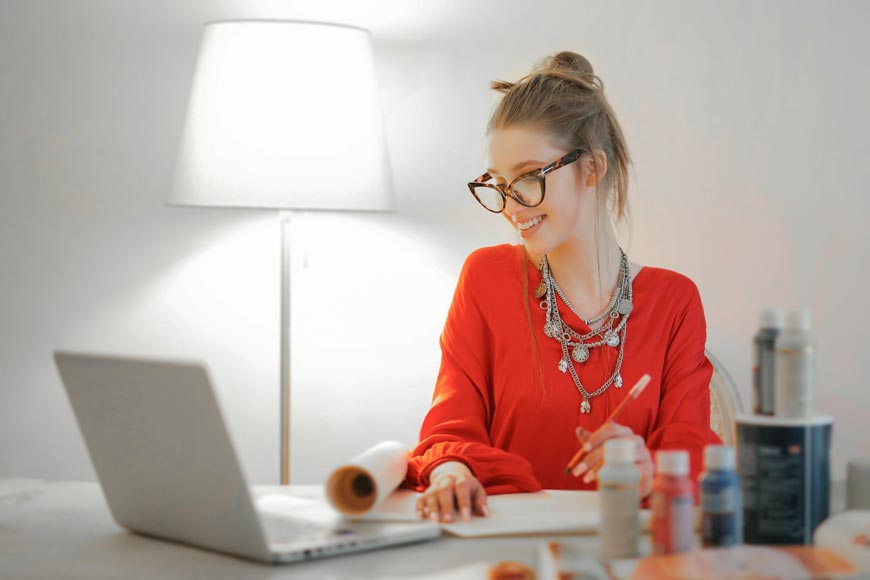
column 357, row 487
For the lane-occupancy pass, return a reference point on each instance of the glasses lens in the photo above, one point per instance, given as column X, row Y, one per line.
column 528, row 191
column 489, row 197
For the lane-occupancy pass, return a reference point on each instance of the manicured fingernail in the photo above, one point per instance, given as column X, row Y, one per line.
column 466, row 514
column 587, row 446
column 419, row 514
column 579, row 469
column 485, row 510
column 589, row 477
column 434, row 517
column 448, row 517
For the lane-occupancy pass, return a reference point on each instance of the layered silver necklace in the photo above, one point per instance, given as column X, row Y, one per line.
column 576, row 346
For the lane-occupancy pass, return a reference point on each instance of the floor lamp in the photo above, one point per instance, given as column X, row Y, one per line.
column 284, row 115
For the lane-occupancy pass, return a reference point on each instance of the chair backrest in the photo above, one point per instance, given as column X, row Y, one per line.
column 725, row 403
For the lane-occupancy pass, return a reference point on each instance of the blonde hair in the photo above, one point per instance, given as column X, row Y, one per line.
column 564, row 97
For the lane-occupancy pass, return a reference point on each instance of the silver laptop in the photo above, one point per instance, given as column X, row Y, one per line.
column 166, row 464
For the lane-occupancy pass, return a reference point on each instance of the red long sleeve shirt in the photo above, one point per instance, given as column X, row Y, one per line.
column 491, row 411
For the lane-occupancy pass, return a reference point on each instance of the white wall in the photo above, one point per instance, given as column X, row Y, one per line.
column 748, row 123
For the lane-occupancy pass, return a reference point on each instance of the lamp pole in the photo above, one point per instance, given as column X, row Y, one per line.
column 285, row 217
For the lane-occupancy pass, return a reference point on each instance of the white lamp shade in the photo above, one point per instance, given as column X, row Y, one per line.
column 284, row 115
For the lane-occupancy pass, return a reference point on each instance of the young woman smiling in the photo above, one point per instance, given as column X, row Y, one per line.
column 541, row 336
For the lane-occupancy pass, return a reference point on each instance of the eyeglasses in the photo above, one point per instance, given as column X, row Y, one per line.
column 528, row 189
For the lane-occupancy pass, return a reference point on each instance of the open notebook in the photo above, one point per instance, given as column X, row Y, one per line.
column 366, row 489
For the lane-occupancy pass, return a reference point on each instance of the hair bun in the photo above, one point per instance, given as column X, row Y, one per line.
column 567, row 61
column 570, row 66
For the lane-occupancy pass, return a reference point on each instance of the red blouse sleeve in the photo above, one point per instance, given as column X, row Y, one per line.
column 683, row 420
column 456, row 427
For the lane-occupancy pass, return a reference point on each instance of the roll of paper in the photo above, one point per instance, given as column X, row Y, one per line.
column 357, row 487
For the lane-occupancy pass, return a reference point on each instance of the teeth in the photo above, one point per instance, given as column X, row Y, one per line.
column 530, row 223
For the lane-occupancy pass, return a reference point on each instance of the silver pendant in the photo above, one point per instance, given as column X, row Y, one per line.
column 552, row 330
column 563, row 365
column 580, row 353
column 584, row 406
column 624, row 307
column 612, row 339
column 618, row 381
column 541, row 289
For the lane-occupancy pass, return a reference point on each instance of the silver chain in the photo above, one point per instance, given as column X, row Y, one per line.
column 620, row 307
column 596, row 318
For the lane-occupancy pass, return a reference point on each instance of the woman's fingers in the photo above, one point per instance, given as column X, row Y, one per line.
column 446, row 498
column 644, row 462
column 431, row 506
column 590, row 461
column 595, row 449
column 450, row 494
column 481, row 507
column 608, row 431
column 462, row 489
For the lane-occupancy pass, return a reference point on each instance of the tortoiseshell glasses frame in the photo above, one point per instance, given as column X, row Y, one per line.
column 536, row 177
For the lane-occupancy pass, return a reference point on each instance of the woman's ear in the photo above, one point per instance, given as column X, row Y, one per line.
column 598, row 170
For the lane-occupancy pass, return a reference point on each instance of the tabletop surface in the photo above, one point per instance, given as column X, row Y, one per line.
column 65, row 530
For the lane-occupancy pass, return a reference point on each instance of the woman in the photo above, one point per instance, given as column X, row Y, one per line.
column 542, row 337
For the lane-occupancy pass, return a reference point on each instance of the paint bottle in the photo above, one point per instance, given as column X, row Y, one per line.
column 721, row 508
column 763, row 365
column 619, row 492
column 785, row 477
column 672, row 503
column 794, row 373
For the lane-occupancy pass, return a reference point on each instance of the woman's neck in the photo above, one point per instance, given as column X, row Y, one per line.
column 587, row 269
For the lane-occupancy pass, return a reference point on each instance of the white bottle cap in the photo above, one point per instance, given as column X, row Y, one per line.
column 718, row 457
column 619, row 450
column 672, row 462
column 799, row 320
column 772, row 318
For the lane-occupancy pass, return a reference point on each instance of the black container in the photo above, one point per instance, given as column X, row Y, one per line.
column 784, row 466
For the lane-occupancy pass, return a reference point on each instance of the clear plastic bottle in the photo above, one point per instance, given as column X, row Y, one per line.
column 721, row 508
column 795, row 367
column 672, row 503
column 619, row 492
column 763, row 366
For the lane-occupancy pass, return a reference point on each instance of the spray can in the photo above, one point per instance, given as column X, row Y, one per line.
column 795, row 367
column 619, row 492
column 763, row 360
column 721, row 508
column 672, row 503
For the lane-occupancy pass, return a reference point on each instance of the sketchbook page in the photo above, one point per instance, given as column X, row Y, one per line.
column 530, row 513
column 518, row 513
column 368, row 479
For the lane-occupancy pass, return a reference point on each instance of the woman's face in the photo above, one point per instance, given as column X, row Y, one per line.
column 567, row 206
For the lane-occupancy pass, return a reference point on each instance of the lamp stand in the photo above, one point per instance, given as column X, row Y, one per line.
column 285, row 218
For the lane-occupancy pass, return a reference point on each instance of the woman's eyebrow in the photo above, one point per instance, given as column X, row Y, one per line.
column 517, row 166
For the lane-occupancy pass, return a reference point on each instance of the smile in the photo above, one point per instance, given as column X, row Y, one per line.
column 531, row 223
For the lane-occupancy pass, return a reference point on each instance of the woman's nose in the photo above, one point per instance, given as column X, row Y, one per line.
column 511, row 207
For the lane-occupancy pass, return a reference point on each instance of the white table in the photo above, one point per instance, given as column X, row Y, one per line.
column 64, row 530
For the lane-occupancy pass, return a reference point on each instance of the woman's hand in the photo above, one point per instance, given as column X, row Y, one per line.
column 594, row 458
column 452, row 488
